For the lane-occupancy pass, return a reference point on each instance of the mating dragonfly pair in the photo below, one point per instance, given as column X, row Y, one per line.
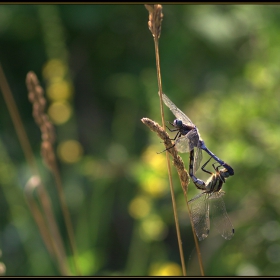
column 186, row 139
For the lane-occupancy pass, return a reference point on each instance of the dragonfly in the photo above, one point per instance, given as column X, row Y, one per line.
column 188, row 137
column 211, row 197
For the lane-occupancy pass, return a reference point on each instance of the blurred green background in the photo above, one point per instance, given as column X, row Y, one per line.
column 220, row 65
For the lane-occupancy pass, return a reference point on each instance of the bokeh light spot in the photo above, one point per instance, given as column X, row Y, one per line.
column 153, row 228
column 70, row 151
column 54, row 68
column 139, row 207
column 166, row 269
column 247, row 269
column 60, row 112
column 154, row 185
column 88, row 262
column 2, row 268
column 59, row 90
column 154, row 160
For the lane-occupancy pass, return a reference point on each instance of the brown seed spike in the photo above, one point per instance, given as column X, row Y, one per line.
column 155, row 19
column 177, row 161
column 36, row 97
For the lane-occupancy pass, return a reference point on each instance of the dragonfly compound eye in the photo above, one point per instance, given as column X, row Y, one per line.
column 178, row 123
column 226, row 173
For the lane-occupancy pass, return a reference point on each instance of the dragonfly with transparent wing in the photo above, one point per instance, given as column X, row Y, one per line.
column 188, row 137
column 210, row 201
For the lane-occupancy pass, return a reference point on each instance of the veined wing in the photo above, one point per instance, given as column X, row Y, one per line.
column 188, row 142
column 219, row 215
column 176, row 111
column 200, row 217
column 197, row 159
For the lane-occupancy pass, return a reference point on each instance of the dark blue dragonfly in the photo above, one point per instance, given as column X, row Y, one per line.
column 188, row 137
column 210, row 200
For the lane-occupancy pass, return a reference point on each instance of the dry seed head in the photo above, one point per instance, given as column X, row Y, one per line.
column 177, row 160
column 155, row 19
column 36, row 97
column 48, row 154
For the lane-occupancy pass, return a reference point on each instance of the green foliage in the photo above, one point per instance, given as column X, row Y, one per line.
column 220, row 63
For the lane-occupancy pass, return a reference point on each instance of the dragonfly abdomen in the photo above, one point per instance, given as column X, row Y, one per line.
column 198, row 183
column 203, row 147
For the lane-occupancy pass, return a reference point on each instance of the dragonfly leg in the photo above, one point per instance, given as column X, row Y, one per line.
column 171, row 130
column 205, row 165
column 176, row 136
column 172, row 125
column 217, row 166
column 218, row 171
column 166, row 149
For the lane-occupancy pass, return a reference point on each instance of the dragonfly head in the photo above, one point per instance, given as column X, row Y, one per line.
column 178, row 123
column 224, row 173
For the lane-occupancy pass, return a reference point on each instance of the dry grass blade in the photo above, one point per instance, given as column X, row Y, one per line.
column 154, row 24
column 155, row 19
column 49, row 233
column 36, row 97
column 13, row 111
column 54, row 240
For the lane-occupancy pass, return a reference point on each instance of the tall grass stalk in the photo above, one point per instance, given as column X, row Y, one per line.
column 154, row 24
column 36, row 97
column 50, row 236
column 47, row 227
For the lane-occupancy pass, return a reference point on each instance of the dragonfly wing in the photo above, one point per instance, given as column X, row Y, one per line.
column 207, row 212
column 183, row 144
column 198, row 206
column 186, row 143
column 193, row 137
column 219, row 215
column 176, row 111
column 197, row 159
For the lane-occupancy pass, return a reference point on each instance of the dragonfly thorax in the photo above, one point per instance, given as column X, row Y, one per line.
column 214, row 183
